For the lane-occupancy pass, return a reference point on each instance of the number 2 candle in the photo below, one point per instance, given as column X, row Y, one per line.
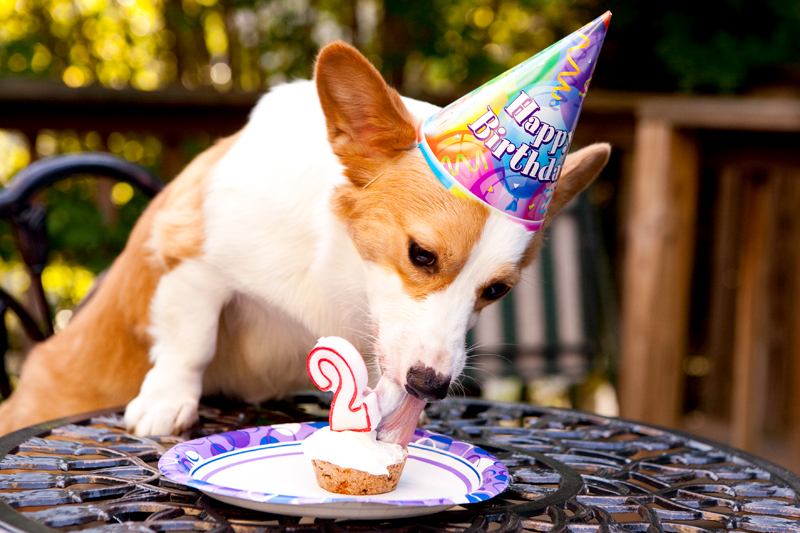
column 335, row 364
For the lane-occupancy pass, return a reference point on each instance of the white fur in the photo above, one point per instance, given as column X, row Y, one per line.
column 281, row 271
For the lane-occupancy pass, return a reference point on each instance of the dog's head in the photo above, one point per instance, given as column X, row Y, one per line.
column 433, row 259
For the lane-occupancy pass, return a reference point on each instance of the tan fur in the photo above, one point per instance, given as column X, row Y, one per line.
column 106, row 343
column 367, row 122
column 396, row 204
column 101, row 359
column 580, row 169
column 177, row 229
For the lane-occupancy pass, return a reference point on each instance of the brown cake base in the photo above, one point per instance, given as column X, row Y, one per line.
column 334, row 478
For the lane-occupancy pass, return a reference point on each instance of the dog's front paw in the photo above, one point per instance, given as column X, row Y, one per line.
column 160, row 415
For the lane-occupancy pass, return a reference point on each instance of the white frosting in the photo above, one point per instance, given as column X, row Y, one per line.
column 352, row 449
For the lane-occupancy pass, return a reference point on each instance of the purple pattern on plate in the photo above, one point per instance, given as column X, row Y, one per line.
column 209, row 474
column 453, row 471
column 178, row 463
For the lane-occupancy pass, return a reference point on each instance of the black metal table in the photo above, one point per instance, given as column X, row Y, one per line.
column 571, row 472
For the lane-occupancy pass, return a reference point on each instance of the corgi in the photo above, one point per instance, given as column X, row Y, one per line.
column 321, row 217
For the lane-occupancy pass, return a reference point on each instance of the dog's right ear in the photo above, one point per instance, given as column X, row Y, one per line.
column 580, row 169
column 366, row 119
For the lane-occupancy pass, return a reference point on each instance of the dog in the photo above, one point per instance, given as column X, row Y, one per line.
column 320, row 217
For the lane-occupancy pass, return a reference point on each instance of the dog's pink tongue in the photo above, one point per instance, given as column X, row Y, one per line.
column 400, row 413
column 398, row 427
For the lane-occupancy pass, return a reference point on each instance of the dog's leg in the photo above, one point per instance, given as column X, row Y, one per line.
column 184, row 319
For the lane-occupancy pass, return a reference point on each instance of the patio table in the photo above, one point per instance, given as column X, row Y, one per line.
column 571, row 472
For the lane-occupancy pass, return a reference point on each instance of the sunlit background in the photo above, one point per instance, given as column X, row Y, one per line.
column 161, row 55
column 226, row 47
column 435, row 50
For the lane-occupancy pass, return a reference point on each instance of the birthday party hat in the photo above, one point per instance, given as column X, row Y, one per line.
column 505, row 142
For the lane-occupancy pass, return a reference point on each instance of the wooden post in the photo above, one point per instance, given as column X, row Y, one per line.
column 724, row 281
column 751, row 356
column 658, row 267
column 794, row 355
column 783, row 242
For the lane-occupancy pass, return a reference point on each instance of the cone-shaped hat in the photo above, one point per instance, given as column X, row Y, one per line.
column 505, row 142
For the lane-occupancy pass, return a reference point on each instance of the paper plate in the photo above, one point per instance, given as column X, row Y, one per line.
column 264, row 469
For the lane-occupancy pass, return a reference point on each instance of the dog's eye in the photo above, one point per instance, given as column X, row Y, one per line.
column 420, row 256
column 496, row 291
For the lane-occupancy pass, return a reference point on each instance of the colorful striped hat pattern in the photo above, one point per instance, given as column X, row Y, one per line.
column 505, row 142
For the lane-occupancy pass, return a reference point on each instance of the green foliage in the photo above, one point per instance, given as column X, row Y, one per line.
column 437, row 49
column 724, row 46
column 76, row 227
column 441, row 50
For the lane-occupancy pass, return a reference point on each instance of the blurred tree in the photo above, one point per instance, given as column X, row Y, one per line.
column 433, row 49
column 728, row 46
column 447, row 48
column 437, row 49
column 114, row 42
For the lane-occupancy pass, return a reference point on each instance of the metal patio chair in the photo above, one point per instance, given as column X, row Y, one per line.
column 27, row 216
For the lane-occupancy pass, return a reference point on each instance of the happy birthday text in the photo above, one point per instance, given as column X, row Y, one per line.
column 487, row 129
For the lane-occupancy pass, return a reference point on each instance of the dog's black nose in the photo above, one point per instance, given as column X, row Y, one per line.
column 427, row 384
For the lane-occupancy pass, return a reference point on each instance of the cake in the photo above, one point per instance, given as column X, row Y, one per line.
column 353, row 462
column 347, row 456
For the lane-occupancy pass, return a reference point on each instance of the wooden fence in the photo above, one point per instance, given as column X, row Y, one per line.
column 711, row 264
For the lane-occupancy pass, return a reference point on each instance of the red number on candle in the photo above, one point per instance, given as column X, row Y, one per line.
column 334, row 364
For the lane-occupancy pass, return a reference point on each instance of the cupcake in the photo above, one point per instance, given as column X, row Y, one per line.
column 353, row 462
column 347, row 456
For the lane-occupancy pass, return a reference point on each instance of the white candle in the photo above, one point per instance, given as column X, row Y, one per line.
column 335, row 364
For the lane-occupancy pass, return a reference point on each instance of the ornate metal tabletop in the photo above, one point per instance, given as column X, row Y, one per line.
column 571, row 472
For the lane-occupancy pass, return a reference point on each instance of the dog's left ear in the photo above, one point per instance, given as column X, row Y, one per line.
column 580, row 169
column 366, row 119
